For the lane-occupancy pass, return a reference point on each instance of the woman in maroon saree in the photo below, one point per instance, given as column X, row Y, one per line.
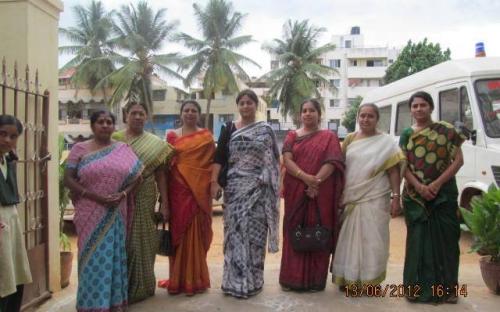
column 315, row 168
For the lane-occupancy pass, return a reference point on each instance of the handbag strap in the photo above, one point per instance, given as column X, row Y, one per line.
column 302, row 206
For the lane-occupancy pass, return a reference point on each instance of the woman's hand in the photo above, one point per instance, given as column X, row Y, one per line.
column 310, row 180
column 114, row 199
column 215, row 190
column 425, row 191
column 434, row 187
column 312, row 192
column 395, row 206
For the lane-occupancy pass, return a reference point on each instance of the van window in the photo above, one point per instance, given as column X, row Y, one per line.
column 384, row 123
column 449, row 106
column 403, row 117
column 488, row 95
column 465, row 110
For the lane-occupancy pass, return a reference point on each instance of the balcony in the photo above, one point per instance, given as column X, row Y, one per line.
column 365, row 72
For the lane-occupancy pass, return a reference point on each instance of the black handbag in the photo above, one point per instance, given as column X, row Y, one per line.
column 310, row 238
column 165, row 247
column 226, row 136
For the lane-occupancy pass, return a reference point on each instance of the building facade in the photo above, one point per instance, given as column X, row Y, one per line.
column 358, row 69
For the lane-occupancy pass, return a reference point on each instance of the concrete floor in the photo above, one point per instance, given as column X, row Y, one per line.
column 272, row 298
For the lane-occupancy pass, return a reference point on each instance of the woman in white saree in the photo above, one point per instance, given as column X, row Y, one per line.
column 372, row 171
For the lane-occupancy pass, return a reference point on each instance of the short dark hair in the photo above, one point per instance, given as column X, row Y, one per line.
column 423, row 95
column 315, row 103
column 248, row 93
column 95, row 115
column 375, row 108
column 198, row 107
column 129, row 105
column 9, row 120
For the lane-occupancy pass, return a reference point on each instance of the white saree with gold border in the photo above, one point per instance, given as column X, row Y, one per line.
column 363, row 245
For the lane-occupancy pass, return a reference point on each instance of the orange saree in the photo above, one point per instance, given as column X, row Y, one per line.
column 190, row 212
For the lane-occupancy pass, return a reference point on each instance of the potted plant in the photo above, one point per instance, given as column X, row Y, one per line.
column 483, row 221
column 66, row 254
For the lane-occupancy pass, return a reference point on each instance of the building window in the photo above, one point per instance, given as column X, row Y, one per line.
column 275, row 64
column 335, row 63
column 351, row 101
column 335, row 83
column 354, row 62
column 348, row 44
column 374, row 63
column 334, row 103
column 391, row 61
column 159, row 95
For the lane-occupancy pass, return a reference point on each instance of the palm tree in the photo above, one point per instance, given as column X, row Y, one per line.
column 92, row 44
column 141, row 33
column 299, row 74
column 214, row 57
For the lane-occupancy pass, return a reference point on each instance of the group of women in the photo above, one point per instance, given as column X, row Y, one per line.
column 116, row 180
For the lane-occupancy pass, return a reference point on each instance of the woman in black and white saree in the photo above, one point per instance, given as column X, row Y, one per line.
column 251, row 199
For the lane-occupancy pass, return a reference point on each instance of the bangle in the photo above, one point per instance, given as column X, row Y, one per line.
column 395, row 196
column 82, row 194
column 124, row 193
column 298, row 173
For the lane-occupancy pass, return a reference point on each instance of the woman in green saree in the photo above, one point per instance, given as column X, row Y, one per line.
column 430, row 204
column 154, row 153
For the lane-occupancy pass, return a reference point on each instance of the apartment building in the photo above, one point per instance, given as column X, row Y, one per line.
column 359, row 69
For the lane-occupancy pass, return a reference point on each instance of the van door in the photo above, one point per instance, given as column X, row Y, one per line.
column 454, row 106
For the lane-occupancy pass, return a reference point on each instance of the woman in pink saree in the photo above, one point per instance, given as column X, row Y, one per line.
column 100, row 173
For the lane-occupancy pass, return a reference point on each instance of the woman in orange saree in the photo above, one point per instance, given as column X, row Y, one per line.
column 190, row 204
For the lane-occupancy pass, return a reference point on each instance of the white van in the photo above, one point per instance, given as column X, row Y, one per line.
column 466, row 93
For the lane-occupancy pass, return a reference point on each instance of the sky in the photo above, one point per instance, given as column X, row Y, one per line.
column 454, row 24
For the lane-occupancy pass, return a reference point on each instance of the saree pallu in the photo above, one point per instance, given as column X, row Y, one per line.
column 251, row 213
column 433, row 229
column 102, row 262
column 143, row 241
column 309, row 270
column 191, row 211
column 363, row 246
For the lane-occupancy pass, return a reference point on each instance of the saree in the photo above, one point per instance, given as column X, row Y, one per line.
column 251, row 213
column 102, row 269
column 433, row 228
column 143, row 242
column 309, row 270
column 190, row 211
column 363, row 245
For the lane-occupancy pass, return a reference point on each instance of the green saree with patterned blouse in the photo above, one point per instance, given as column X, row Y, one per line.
column 142, row 242
column 433, row 228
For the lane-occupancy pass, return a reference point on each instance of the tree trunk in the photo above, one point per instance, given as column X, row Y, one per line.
column 207, row 116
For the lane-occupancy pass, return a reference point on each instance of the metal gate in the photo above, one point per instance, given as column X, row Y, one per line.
column 22, row 98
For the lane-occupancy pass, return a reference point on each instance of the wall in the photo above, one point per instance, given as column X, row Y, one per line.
column 29, row 35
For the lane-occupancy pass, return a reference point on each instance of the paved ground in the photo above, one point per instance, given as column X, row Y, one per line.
column 273, row 298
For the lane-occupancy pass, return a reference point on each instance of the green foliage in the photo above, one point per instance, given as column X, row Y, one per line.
column 484, row 222
column 91, row 44
column 63, row 197
column 214, row 57
column 349, row 120
column 299, row 74
column 416, row 57
column 142, row 31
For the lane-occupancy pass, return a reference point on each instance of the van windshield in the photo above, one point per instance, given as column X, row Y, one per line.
column 488, row 94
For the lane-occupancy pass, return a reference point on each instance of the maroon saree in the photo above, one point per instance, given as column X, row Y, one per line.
column 308, row 271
